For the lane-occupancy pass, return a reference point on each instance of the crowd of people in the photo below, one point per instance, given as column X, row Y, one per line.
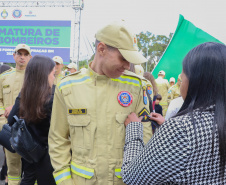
column 113, row 123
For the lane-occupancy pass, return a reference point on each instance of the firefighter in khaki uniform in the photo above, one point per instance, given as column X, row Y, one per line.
column 87, row 132
column 174, row 91
column 10, row 85
column 163, row 87
column 59, row 66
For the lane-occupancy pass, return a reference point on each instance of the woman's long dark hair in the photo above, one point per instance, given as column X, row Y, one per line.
column 36, row 89
column 205, row 68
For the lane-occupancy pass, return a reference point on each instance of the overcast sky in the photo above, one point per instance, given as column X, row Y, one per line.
column 159, row 17
column 156, row 16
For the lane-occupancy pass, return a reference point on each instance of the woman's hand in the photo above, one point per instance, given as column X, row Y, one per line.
column 132, row 118
column 157, row 118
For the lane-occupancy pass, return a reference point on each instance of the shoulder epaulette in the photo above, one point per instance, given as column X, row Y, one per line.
column 9, row 71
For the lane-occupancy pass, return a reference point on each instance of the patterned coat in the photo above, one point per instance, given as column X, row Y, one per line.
column 175, row 154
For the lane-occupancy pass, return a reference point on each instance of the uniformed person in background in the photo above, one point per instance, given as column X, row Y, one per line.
column 172, row 81
column 10, row 85
column 139, row 70
column 59, row 66
column 174, row 91
column 163, row 87
column 87, row 132
column 72, row 67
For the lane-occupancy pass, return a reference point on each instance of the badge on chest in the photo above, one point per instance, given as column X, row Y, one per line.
column 125, row 98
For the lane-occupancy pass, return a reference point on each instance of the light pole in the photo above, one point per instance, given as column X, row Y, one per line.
column 147, row 58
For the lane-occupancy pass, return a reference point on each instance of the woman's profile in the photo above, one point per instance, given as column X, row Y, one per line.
column 189, row 148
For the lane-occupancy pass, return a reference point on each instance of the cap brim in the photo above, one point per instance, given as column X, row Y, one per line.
column 57, row 62
column 133, row 57
column 24, row 49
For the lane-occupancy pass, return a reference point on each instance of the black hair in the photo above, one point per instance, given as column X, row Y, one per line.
column 205, row 68
column 158, row 97
column 4, row 68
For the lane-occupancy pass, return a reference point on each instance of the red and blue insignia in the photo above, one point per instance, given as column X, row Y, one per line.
column 145, row 98
column 125, row 98
column 145, row 113
column 149, row 90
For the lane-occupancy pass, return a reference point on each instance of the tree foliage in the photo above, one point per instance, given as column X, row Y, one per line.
column 152, row 47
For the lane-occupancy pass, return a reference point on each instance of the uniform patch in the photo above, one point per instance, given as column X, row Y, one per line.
column 149, row 89
column 145, row 98
column 77, row 111
column 144, row 112
column 5, row 86
column 125, row 98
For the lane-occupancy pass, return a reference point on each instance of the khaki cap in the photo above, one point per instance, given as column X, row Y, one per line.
column 172, row 79
column 161, row 72
column 72, row 65
column 117, row 35
column 23, row 46
column 139, row 70
column 58, row 59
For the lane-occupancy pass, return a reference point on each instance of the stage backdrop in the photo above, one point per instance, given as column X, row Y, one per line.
column 46, row 30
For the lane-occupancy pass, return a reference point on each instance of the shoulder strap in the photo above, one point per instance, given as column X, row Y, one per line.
column 16, row 118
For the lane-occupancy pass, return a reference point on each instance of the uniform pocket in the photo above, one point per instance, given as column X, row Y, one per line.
column 120, row 129
column 6, row 95
column 80, row 130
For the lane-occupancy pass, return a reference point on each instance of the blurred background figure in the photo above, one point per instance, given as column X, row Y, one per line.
column 172, row 81
column 59, row 66
column 139, row 70
column 72, row 67
column 174, row 107
column 163, row 87
column 10, row 85
column 158, row 107
column 174, row 91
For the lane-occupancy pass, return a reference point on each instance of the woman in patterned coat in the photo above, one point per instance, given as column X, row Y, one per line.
column 189, row 148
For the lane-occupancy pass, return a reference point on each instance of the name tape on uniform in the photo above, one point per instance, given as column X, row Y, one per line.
column 77, row 111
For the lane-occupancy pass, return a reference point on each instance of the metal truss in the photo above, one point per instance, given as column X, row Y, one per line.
column 66, row 3
column 57, row 3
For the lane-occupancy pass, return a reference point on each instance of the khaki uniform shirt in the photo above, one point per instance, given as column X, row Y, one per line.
column 87, row 132
column 11, row 83
column 163, row 86
column 58, row 78
column 173, row 92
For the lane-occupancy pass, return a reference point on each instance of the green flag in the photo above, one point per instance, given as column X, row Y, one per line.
column 186, row 37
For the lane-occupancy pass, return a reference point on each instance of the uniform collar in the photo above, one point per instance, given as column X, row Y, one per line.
column 95, row 75
column 20, row 71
